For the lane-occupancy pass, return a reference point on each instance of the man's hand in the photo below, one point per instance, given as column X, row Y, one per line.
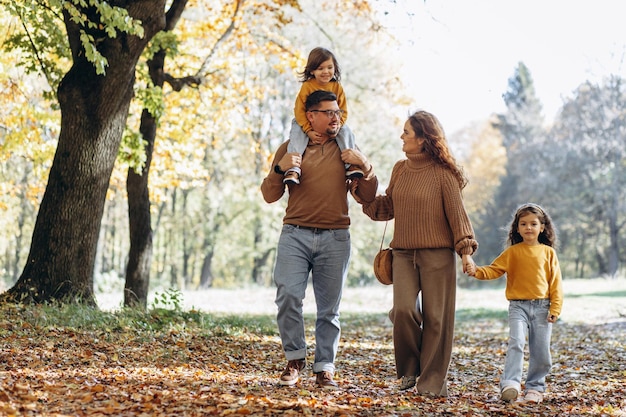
column 290, row 160
column 355, row 157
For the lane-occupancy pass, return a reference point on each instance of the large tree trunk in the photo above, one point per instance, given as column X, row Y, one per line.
column 94, row 109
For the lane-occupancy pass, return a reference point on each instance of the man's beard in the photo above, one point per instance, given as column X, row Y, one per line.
column 332, row 131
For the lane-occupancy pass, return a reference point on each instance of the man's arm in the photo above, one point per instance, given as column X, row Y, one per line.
column 364, row 189
column 272, row 186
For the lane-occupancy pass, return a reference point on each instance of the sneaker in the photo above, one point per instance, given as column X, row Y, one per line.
column 533, row 396
column 509, row 393
column 291, row 177
column 324, row 380
column 291, row 374
column 354, row 173
column 407, row 382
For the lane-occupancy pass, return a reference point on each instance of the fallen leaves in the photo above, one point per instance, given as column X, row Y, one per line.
column 188, row 371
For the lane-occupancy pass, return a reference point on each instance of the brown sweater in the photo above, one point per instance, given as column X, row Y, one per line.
column 425, row 200
column 320, row 200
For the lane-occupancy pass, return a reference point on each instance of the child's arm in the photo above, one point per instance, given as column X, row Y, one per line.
column 313, row 135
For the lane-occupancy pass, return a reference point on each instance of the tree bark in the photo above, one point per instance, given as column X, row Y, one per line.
column 140, row 223
column 94, row 109
column 139, row 217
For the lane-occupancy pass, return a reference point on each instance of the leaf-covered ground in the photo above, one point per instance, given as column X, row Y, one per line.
column 77, row 362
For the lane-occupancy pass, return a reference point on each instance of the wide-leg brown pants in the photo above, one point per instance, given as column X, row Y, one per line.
column 423, row 324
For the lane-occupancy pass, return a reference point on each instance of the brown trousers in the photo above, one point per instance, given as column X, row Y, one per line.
column 423, row 328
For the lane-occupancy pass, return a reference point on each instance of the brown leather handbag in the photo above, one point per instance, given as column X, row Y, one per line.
column 382, row 263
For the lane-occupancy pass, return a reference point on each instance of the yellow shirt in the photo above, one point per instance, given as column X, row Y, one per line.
column 532, row 272
column 310, row 86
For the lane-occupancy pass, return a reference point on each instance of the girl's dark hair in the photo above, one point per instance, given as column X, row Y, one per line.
column 547, row 237
column 318, row 56
column 427, row 126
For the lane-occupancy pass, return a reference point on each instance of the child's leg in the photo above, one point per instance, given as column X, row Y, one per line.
column 518, row 329
column 540, row 360
column 345, row 139
column 298, row 140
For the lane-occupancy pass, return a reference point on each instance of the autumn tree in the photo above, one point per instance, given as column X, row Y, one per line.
column 94, row 96
column 484, row 159
column 521, row 127
column 586, row 155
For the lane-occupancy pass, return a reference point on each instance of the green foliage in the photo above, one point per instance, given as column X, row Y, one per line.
column 108, row 20
column 151, row 98
column 171, row 299
column 162, row 41
column 37, row 33
column 132, row 151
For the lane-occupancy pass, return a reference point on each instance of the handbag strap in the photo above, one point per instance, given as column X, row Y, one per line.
column 383, row 239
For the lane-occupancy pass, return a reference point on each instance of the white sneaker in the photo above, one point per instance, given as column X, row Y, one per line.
column 509, row 393
column 533, row 396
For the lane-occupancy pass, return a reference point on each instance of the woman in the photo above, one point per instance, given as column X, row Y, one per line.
column 431, row 224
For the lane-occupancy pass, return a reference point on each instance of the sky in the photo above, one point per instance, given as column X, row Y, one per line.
column 459, row 54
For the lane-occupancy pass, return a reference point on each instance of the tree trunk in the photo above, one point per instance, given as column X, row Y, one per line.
column 140, row 224
column 94, row 109
column 139, row 218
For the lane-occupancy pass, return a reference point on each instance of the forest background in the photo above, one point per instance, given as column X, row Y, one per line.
column 227, row 107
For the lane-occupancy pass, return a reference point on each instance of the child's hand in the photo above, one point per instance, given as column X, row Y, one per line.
column 314, row 136
column 469, row 267
column 552, row 318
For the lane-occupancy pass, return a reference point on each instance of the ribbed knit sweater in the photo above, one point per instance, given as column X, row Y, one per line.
column 424, row 199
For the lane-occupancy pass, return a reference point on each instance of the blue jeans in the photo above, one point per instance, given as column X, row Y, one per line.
column 528, row 318
column 325, row 253
column 298, row 141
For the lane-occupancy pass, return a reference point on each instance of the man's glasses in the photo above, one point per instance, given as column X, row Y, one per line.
column 330, row 113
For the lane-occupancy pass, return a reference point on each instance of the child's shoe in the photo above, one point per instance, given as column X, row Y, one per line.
column 354, row 172
column 533, row 396
column 509, row 393
column 291, row 177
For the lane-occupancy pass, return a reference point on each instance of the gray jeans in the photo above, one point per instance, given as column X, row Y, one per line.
column 528, row 318
column 325, row 253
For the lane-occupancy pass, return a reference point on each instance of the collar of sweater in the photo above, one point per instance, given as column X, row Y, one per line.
column 419, row 160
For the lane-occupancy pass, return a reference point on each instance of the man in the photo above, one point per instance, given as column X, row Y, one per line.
column 315, row 238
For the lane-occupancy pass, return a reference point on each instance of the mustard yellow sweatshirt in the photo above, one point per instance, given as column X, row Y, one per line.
column 532, row 272
column 425, row 200
column 299, row 108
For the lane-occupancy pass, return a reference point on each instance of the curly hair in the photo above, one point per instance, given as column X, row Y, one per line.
column 547, row 237
column 427, row 126
column 317, row 57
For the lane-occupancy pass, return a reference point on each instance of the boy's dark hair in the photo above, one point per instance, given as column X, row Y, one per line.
column 316, row 97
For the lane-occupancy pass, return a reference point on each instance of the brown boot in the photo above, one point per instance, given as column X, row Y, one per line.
column 324, row 380
column 291, row 374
